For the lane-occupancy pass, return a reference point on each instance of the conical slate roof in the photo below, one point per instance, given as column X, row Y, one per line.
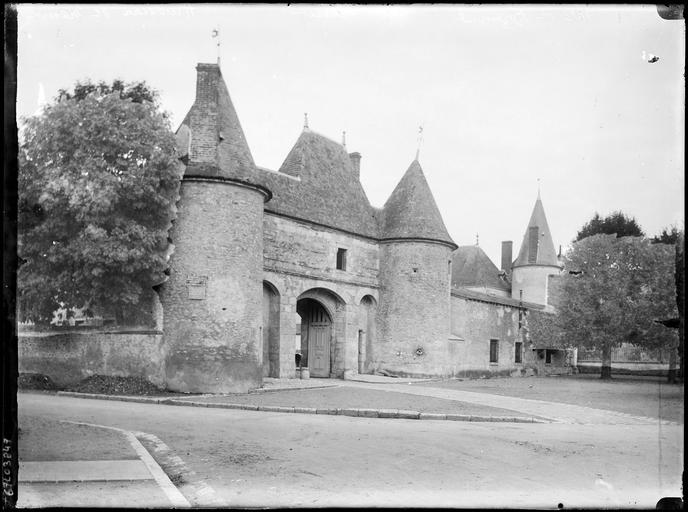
column 537, row 247
column 471, row 267
column 411, row 211
column 321, row 186
column 217, row 147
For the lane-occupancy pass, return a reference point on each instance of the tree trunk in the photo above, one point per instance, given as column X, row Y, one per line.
column 680, row 348
column 671, row 374
column 606, row 362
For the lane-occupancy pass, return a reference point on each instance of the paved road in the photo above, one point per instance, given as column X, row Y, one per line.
column 271, row 459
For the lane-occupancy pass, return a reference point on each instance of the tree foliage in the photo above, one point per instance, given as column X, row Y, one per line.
column 617, row 223
column 138, row 92
column 98, row 182
column 667, row 236
column 612, row 291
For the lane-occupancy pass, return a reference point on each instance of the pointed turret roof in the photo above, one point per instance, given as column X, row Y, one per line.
column 321, row 186
column 217, row 146
column 537, row 247
column 411, row 211
column 471, row 267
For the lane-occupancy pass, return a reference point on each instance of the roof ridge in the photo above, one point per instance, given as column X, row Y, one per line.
column 329, row 139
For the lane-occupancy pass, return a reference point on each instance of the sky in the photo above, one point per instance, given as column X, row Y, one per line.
column 510, row 98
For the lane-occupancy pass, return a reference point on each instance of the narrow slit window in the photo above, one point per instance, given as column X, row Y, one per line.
column 518, row 347
column 548, row 357
column 341, row 259
column 494, row 351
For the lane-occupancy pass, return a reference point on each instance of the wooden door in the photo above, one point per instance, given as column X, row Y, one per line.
column 319, row 333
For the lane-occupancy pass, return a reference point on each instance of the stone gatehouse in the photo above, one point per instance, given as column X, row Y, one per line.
column 269, row 264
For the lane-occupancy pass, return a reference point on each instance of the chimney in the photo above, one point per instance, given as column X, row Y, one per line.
column 506, row 256
column 204, row 115
column 207, row 77
column 356, row 162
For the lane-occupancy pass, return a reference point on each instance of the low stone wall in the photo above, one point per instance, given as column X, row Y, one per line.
column 69, row 357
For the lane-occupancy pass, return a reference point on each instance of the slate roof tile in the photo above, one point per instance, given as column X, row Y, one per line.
column 472, row 267
column 545, row 252
column 327, row 191
column 411, row 211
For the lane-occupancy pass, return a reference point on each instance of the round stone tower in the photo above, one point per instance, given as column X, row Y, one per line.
column 415, row 277
column 537, row 260
column 212, row 302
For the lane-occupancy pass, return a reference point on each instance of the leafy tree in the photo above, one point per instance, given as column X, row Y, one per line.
column 138, row 92
column 616, row 223
column 612, row 292
column 667, row 236
column 680, row 280
column 98, row 181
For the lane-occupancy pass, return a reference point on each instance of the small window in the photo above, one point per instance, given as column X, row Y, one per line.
column 518, row 347
column 341, row 259
column 548, row 356
column 494, row 351
column 533, row 243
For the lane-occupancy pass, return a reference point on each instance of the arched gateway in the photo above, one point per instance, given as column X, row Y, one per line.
column 316, row 337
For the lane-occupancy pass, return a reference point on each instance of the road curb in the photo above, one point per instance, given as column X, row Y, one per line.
column 176, row 498
column 352, row 412
column 300, row 388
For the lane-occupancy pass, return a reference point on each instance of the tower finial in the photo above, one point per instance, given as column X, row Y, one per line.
column 305, row 121
column 477, row 239
column 420, row 141
column 216, row 34
column 344, row 139
column 538, row 182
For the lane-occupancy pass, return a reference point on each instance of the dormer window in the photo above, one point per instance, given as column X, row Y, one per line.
column 341, row 259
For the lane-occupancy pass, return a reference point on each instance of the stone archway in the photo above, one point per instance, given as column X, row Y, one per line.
column 316, row 337
column 323, row 329
column 271, row 330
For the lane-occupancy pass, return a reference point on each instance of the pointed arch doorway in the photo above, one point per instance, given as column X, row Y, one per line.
column 316, row 337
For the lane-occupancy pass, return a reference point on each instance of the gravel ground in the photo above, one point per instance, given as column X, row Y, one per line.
column 112, row 385
column 642, row 396
column 345, row 398
column 36, row 381
column 41, row 439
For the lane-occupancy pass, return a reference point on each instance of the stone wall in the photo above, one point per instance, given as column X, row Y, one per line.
column 413, row 311
column 213, row 299
column 475, row 323
column 300, row 262
column 533, row 280
column 309, row 250
column 69, row 357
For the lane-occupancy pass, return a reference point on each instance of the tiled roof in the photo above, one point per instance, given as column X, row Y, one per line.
column 327, row 191
column 472, row 267
column 494, row 299
column 540, row 252
column 411, row 211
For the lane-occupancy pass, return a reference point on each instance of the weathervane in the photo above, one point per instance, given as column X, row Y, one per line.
column 305, row 121
column 344, row 139
column 216, row 34
column 420, row 141
column 538, row 182
column 477, row 239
